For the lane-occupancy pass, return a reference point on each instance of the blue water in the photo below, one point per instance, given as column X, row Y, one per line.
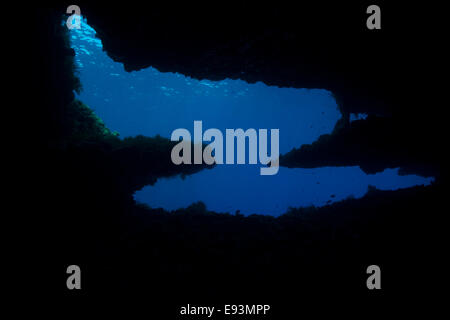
column 149, row 102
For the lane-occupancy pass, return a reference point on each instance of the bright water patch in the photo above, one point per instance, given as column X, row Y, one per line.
column 149, row 102
column 271, row 195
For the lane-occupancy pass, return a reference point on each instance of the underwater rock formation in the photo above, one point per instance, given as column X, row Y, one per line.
column 374, row 144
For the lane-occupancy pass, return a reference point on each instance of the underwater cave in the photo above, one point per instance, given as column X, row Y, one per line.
column 362, row 176
column 149, row 103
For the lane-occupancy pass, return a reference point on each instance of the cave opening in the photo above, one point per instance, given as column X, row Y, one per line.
column 149, row 103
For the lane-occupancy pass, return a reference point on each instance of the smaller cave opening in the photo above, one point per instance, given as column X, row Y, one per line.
column 358, row 116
